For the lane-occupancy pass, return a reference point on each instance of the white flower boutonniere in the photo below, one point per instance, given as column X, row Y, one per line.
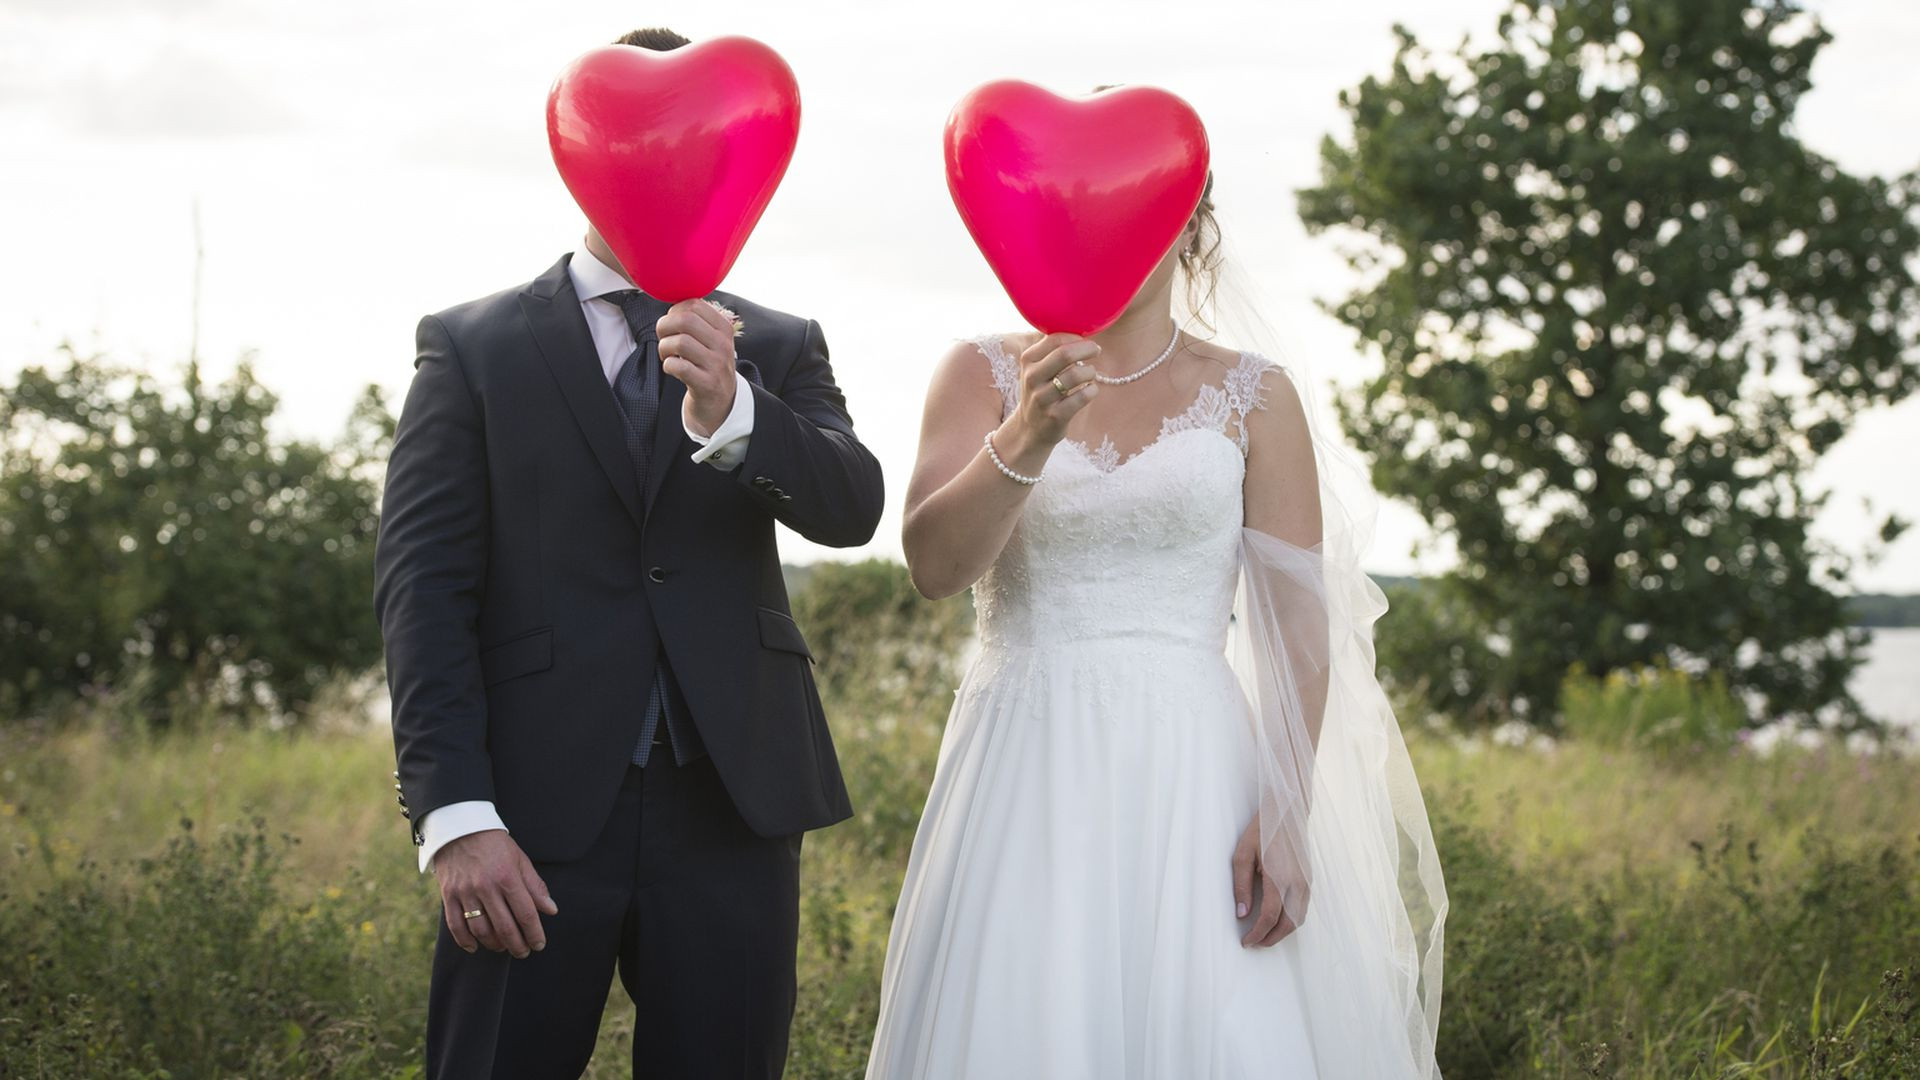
column 738, row 326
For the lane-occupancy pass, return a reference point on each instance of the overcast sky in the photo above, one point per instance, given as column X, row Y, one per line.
column 359, row 164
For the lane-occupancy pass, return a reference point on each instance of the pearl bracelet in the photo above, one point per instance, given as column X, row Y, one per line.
column 1002, row 466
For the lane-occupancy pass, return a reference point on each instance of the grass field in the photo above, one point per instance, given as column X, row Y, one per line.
column 1615, row 913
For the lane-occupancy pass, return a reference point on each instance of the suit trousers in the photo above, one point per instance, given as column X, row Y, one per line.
column 700, row 916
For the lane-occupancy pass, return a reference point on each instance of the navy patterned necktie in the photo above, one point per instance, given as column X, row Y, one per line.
column 637, row 384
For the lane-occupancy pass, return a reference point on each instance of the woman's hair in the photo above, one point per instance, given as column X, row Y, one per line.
column 1201, row 259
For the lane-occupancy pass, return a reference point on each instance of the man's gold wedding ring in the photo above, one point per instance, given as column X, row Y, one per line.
column 472, row 914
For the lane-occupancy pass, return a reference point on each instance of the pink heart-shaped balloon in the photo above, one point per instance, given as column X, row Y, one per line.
column 1074, row 201
column 673, row 155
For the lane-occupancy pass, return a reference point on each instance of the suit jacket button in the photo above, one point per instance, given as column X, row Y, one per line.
column 762, row 482
column 657, row 576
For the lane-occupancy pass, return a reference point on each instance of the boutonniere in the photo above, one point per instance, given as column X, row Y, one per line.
column 738, row 326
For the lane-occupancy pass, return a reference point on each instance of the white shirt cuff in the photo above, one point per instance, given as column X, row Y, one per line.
column 727, row 446
column 453, row 821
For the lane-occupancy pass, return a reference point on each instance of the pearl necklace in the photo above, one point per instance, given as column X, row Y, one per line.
column 1122, row 380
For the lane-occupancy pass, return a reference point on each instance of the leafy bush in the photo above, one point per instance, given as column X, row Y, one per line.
column 1743, row 971
column 873, row 636
column 158, row 537
column 195, row 963
column 1431, row 648
column 1515, row 954
column 1652, row 707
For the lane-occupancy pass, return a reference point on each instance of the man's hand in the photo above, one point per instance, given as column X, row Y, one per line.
column 487, row 872
column 1283, row 892
column 696, row 347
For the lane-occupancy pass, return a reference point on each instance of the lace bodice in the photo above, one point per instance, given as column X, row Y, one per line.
column 1145, row 547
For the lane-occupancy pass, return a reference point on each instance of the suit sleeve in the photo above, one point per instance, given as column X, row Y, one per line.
column 429, row 568
column 804, row 462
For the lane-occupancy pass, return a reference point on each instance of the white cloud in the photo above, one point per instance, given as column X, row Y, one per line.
column 361, row 163
column 181, row 93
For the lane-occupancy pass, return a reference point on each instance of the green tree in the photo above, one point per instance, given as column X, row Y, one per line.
column 1621, row 311
column 159, row 540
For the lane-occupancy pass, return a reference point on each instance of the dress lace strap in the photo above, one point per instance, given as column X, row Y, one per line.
column 1006, row 370
column 1245, row 390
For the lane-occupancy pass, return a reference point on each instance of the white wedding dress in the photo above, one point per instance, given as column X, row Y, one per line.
column 1068, row 910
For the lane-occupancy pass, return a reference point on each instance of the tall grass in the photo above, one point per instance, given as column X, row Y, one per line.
column 1616, row 912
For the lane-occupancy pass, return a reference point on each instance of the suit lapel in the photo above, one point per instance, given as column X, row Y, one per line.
column 552, row 310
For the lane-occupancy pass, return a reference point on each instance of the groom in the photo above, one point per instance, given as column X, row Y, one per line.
column 608, row 736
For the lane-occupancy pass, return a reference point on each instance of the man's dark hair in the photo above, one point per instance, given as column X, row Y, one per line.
column 657, row 38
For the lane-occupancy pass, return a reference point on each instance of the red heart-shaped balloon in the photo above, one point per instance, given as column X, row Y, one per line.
column 673, row 155
column 1074, row 201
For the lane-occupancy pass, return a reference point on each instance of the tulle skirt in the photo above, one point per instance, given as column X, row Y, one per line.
column 1068, row 906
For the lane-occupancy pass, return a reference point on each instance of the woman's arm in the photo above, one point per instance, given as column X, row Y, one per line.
column 960, row 508
column 1282, row 485
column 1282, row 502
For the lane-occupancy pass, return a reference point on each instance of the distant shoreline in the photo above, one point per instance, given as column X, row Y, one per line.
column 1881, row 611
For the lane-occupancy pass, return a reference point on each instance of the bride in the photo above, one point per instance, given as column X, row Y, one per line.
column 1149, row 852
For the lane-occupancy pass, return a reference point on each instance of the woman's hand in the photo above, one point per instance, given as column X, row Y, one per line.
column 1284, row 891
column 1056, row 382
column 960, row 508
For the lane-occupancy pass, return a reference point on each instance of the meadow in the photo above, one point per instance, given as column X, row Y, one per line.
column 217, row 900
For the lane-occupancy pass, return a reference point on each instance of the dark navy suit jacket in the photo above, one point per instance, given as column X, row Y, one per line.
column 525, row 582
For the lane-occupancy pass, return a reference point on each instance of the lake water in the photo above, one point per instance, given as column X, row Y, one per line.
column 1888, row 684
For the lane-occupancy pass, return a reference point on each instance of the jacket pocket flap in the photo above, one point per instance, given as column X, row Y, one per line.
column 523, row 655
column 778, row 631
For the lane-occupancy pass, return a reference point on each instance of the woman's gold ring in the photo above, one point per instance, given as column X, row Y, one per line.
column 1060, row 386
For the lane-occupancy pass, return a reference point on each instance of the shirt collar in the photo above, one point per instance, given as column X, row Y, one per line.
column 592, row 278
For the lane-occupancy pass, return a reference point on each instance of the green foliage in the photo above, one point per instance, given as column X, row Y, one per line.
column 887, row 658
column 195, row 963
column 1743, row 972
column 159, row 537
column 872, row 634
column 1732, row 972
column 1654, row 708
column 1514, row 954
column 1612, row 914
column 1622, row 310
column 1724, row 957
column 1433, row 648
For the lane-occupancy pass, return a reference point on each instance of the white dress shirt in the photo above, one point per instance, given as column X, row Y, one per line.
column 725, row 448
